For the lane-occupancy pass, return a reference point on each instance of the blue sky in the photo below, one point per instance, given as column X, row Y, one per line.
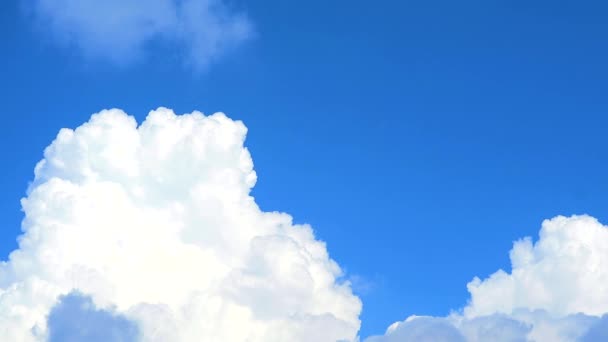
column 418, row 138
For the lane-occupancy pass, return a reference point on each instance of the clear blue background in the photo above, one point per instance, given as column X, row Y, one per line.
column 419, row 138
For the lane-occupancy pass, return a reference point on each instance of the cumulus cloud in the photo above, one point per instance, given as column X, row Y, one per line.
column 597, row 332
column 75, row 319
column 155, row 224
column 557, row 291
column 565, row 272
column 150, row 231
column 521, row 326
column 422, row 329
column 119, row 30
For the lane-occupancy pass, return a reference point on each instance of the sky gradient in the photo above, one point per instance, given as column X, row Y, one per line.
column 420, row 139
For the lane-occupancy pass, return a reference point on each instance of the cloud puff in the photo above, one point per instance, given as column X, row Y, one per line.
column 521, row 326
column 119, row 30
column 75, row 319
column 597, row 332
column 557, row 291
column 155, row 222
column 420, row 329
column 565, row 272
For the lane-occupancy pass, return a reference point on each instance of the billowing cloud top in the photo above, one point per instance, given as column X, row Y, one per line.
column 155, row 223
column 118, row 30
column 565, row 272
column 557, row 291
column 150, row 231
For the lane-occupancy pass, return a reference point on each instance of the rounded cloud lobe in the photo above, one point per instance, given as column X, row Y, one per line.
column 119, row 30
column 155, row 222
column 565, row 272
column 75, row 318
column 557, row 291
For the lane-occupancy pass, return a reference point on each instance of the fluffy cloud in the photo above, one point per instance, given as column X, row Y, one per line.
column 557, row 291
column 155, row 224
column 118, row 30
column 420, row 329
column 520, row 326
column 565, row 272
column 150, row 230
column 75, row 319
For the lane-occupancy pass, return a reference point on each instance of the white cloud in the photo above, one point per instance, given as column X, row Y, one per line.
column 76, row 319
column 557, row 291
column 119, row 30
column 155, row 222
column 521, row 326
column 598, row 331
column 420, row 329
column 565, row 272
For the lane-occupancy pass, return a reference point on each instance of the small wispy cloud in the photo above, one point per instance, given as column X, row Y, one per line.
column 120, row 31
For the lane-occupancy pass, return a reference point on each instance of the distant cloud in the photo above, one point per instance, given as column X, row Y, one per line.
column 557, row 291
column 520, row 326
column 156, row 222
column 598, row 331
column 120, row 30
column 420, row 329
column 76, row 319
